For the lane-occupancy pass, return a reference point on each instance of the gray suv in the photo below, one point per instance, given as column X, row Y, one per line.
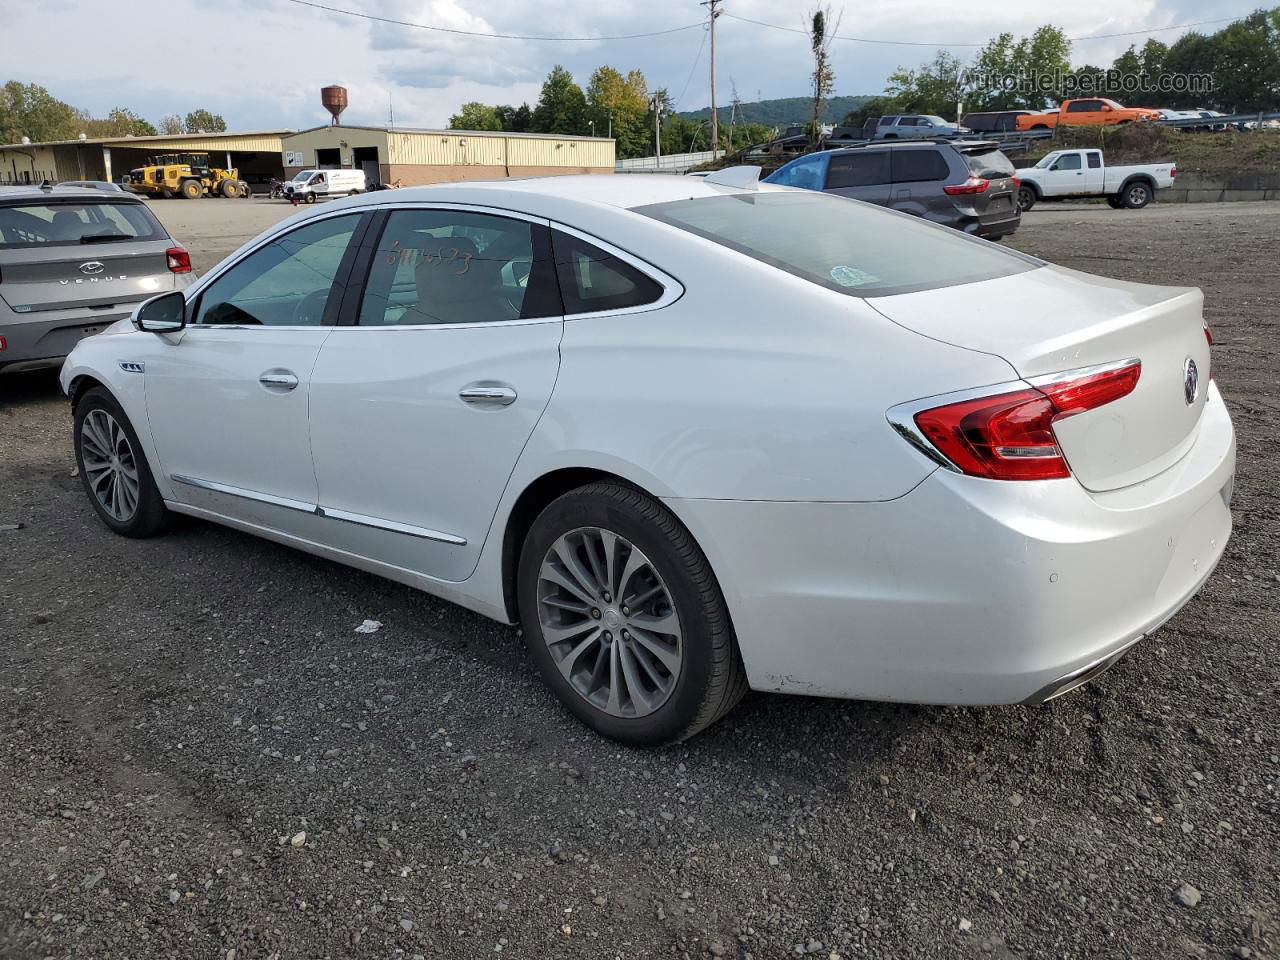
column 966, row 184
column 915, row 126
column 72, row 262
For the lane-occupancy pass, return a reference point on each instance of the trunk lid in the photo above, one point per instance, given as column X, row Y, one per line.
column 62, row 251
column 1052, row 320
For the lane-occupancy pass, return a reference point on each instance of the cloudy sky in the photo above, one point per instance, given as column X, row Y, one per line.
column 261, row 62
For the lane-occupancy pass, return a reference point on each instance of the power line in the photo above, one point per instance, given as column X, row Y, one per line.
column 696, row 60
column 491, row 36
column 922, row 43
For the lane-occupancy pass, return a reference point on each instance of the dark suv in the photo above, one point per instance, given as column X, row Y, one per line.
column 966, row 184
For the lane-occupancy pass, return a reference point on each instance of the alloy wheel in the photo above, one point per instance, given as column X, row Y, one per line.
column 609, row 622
column 109, row 465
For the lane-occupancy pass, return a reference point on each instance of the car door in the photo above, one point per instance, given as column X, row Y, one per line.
column 424, row 396
column 227, row 396
column 860, row 175
column 1068, row 172
column 1092, row 182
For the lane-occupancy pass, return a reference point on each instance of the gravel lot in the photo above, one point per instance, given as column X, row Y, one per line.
column 200, row 758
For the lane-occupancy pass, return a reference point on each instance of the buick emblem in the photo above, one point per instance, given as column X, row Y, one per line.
column 1190, row 381
column 92, row 267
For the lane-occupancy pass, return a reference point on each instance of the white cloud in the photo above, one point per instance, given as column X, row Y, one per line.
column 262, row 64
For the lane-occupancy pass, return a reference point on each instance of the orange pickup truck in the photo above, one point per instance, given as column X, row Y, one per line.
column 1087, row 112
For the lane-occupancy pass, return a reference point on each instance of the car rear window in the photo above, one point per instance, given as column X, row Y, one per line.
column 63, row 223
column 852, row 248
column 988, row 164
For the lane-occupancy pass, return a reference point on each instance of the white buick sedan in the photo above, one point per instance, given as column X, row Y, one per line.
column 693, row 435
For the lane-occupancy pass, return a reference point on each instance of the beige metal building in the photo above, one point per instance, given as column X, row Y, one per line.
column 257, row 155
column 430, row 156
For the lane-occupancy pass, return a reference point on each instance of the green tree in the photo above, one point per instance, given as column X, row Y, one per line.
column 821, row 32
column 202, row 121
column 621, row 104
column 476, row 116
column 562, row 106
column 29, row 110
column 171, row 124
column 1247, row 64
column 1021, row 73
column 936, row 87
column 121, row 122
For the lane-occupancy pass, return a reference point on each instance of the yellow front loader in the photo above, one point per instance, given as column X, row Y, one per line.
column 187, row 175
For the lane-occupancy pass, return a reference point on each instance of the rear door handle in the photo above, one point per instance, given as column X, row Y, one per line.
column 488, row 394
column 279, row 381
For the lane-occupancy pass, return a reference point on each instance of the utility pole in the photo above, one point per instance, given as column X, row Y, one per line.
column 713, row 6
column 657, row 131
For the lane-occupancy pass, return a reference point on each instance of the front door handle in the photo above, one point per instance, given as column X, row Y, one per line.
column 279, row 381
column 488, row 394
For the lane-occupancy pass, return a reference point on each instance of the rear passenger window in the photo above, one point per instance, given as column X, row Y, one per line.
column 593, row 280
column 1095, row 161
column 910, row 166
column 857, row 169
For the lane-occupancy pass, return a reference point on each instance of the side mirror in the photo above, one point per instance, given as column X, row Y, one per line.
column 166, row 313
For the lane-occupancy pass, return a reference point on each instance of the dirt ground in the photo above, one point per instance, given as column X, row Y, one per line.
column 199, row 758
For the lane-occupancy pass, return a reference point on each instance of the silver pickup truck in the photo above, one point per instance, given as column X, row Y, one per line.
column 1064, row 174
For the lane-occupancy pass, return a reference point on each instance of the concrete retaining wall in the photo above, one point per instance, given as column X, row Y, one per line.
column 1200, row 188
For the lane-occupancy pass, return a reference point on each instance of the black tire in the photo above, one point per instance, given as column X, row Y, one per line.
column 191, row 189
column 311, row 198
column 150, row 515
column 229, row 189
column 1115, row 203
column 711, row 678
column 243, row 190
column 1137, row 195
column 1026, row 198
column 166, row 193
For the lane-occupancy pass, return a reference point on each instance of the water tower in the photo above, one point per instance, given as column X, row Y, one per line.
column 335, row 100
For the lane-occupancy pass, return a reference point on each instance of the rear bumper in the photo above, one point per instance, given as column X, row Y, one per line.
column 33, row 344
column 966, row 591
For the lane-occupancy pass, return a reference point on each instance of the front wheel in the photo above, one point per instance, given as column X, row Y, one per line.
column 311, row 198
column 1026, row 199
column 624, row 618
column 1137, row 196
column 113, row 468
column 191, row 189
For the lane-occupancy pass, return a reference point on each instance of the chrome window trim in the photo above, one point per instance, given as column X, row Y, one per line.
column 902, row 416
column 672, row 289
column 194, row 291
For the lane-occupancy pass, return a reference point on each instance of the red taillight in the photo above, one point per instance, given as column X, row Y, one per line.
column 1016, row 181
column 972, row 185
column 1173, row 173
column 4, row 344
column 179, row 260
column 1208, row 334
column 1009, row 436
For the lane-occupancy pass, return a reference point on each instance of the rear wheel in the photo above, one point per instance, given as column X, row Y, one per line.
column 191, row 189
column 624, row 619
column 1136, row 196
column 113, row 468
column 1039, row 126
column 1026, row 198
column 229, row 189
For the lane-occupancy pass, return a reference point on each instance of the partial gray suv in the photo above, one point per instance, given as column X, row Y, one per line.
column 72, row 262
column 965, row 184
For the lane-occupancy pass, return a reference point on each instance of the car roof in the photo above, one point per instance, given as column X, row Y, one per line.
column 615, row 190
column 10, row 192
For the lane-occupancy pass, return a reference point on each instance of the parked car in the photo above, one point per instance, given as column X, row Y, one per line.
column 310, row 185
column 914, row 126
column 104, row 185
column 994, row 121
column 1087, row 112
column 1065, row 174
column 694, row 435
column 966, row 184
column 72, row 262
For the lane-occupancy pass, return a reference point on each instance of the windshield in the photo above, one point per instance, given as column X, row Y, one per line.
column 1046, row 160
column 63, row 223
column 303, row 176
column 850, row 247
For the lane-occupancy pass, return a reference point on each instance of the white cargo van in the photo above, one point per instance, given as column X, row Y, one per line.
column 309, row 185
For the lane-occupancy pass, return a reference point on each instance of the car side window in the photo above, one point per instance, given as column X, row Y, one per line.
column 805, row 172
column 859, row 169
column 593, row 280
column 1070, row 161
column 1095, row 161
column 454, row 266
column 911, row 166
column 289, row 282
